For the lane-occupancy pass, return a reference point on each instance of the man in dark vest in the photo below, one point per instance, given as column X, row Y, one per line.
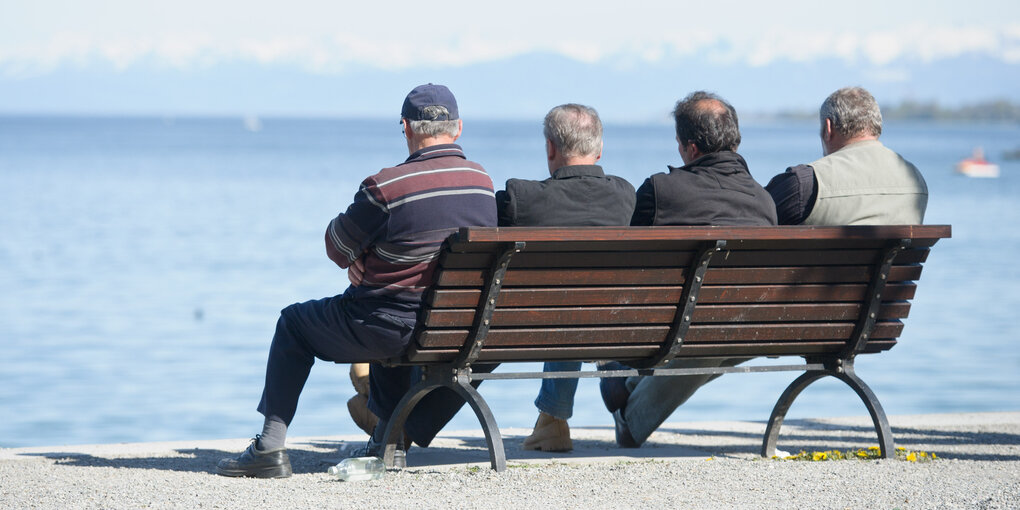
column 858, row 181
column 714, row 187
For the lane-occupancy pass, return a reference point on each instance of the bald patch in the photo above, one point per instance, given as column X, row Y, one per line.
column 711, row 105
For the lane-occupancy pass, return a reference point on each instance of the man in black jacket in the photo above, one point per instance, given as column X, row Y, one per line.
column 714, row 187
column 578, row 193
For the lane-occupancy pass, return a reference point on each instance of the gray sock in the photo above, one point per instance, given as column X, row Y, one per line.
column 274, row 434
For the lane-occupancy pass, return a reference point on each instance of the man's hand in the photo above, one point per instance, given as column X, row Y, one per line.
column 356, row 272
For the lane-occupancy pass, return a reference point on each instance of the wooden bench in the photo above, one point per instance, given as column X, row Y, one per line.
column 646, row 295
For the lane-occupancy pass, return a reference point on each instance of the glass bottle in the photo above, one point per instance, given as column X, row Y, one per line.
column 356, row 469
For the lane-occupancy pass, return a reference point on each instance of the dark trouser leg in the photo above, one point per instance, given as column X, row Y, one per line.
column 433, row 412
column 332, row 329
column 290, row 361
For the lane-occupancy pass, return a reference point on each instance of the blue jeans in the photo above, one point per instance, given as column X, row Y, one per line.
column 556, row 397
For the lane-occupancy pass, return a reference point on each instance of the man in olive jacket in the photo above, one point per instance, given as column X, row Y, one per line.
column 858, row 181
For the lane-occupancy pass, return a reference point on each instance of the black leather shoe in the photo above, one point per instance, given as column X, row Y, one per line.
column 256, row 463
column 623, row 437
column 614, row 389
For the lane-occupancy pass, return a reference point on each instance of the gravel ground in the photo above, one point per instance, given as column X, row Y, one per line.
column 685, row 465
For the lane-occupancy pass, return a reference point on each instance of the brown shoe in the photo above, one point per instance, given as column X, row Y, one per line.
column 358, row 407
column 359, row 377
column 551, row 434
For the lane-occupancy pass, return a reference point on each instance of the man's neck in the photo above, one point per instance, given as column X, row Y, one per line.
column 558, row 163
column 416, row 144
column 837, row 142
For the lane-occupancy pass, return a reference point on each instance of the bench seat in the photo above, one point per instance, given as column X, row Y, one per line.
column 645, row 295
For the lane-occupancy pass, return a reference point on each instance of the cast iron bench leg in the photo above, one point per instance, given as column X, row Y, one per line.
column 395, row 426
column 497, row 455
column 847, row 375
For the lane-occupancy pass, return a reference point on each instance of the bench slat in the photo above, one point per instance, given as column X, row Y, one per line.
column 737, row 258
column 532, row 354
column 856, row 234
column 601, row 296
column 687, row 245
column 573, row 316
column 671, row 276
column 655, row 333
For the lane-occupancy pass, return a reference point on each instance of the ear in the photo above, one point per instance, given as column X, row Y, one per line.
column 827, row 130
column 689, row 152
column 550, row 150
column 599, row 156
column 460, row 129
column 407, row 128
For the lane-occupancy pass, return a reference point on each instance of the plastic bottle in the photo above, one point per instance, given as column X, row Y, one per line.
column 356, row 469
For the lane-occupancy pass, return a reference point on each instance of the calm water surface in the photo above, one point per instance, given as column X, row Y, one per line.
column 143, row 263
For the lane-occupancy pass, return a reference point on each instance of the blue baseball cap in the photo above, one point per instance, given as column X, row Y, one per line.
column 427, row 95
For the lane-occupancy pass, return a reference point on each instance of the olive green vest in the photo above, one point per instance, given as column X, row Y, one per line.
column 865, row 183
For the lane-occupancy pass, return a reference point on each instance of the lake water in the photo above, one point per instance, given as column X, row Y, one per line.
column 143, row 263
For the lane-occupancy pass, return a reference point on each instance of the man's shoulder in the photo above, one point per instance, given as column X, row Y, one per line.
column 619, row 182
column 425, row 165
column 533, row 186
column 868, row 153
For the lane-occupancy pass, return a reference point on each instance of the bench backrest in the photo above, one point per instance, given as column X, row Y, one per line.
column 642, row 293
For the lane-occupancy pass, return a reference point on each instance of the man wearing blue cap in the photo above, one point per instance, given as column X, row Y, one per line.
column 388, row 240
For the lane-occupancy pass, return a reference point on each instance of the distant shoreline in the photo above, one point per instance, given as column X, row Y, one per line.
column 989, row 111
column 998, row 110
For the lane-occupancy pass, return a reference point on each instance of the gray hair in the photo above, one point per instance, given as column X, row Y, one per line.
column 433, row 128
column 853, row 112
column 574, row 129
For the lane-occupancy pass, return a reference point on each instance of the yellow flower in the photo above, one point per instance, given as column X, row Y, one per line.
column 875, row 448
column 924, row 455
column 899, row 448
column 912, row 457
column 933, row 457
column 862, row 454
column 819, row 456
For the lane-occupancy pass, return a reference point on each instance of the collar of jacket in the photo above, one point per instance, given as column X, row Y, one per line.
column 436, row 151
column 564, row 172
column 727, row 162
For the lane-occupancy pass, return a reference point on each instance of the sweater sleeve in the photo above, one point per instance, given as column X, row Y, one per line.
column 352, row 232
column 794, row 192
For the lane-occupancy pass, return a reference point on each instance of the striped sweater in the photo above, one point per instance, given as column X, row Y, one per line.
column 400, row 217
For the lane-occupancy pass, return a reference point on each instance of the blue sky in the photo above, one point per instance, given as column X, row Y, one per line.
column 62, row 55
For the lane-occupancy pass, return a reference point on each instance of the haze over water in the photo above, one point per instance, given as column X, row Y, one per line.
column 143, row 262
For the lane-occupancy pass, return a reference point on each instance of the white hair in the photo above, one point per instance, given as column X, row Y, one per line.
column 853, row 111
column 574, row 129
column 432, row 128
